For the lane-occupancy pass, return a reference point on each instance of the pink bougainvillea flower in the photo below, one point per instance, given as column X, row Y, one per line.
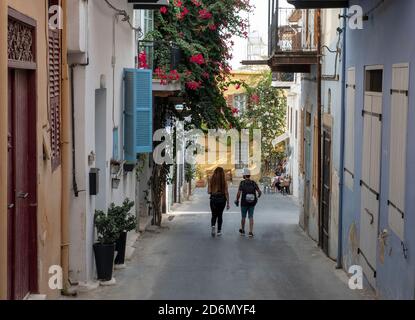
column 255, row 99
column 178, row 3
column 196, row 3
column 198, row 59
column 163, row 10
column 193, row 85
column 204, row 14
column 235, row 111
column 212, row 27
column 142, row 58
column 185, row 12
column 205, row 75
column 174, row 75
column 238, row 86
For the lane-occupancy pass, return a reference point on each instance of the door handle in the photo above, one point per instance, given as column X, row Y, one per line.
column 371, row 215
column 10, row 206
column 23, row 195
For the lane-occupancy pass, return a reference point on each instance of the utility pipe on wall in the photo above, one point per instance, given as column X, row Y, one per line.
column 342, row 146
column 66, row 158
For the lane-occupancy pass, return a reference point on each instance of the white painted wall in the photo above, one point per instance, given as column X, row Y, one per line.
column 330, row 38
column 101, row 48
column 293, row 101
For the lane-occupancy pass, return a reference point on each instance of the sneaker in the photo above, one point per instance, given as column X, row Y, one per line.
column 242, row 232
column 213, row 231
column 251, row 235
column 219, row 233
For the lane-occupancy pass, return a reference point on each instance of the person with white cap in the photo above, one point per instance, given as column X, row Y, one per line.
column 250, row 193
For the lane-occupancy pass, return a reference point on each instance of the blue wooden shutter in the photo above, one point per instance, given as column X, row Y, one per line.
column 115, row 148
column 129, row 116
column 144, row 111
column 138, row 113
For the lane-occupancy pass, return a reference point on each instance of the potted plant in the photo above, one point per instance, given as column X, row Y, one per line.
column 201, row 182
column 125, row 222
column 104, row 249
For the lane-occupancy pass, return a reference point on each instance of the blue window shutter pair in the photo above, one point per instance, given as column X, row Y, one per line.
column 138, row 113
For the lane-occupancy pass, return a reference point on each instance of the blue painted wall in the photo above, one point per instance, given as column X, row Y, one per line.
column 386, row 39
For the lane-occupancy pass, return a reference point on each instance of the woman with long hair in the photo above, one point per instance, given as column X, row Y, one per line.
column 219, row 198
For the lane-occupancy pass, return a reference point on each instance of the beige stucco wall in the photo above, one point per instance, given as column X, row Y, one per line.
column 3, row 149
column 48, row 182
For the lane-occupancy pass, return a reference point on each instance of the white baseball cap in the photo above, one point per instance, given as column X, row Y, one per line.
column 247, row 172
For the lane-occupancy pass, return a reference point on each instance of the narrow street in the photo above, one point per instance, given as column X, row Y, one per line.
column 183, row 261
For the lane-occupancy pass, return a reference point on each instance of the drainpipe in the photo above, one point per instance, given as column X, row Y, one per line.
column 66, row 159
column 342, row 147
column 72, row 68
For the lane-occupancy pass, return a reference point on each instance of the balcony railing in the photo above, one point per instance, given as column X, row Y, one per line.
column 283, row 77
column 153, row 50
column 292, row 30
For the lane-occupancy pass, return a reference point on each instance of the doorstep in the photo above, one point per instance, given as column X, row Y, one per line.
column 36, row 297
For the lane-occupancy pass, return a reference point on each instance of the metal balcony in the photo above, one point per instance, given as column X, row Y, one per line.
column 292, row 42
column 151, row 48
column 149, row 4
column 319, row 4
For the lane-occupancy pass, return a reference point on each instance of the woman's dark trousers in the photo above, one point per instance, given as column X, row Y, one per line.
column 217, row 213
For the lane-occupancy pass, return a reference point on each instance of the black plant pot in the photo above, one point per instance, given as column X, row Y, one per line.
column 120, row 246
column 104, row 259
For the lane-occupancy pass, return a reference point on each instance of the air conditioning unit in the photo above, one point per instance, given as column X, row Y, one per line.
column 138, row 113
column 77, row 26
column 149, row 4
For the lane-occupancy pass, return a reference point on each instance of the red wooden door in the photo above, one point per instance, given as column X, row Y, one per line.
column 10, row 184
column 22, row 184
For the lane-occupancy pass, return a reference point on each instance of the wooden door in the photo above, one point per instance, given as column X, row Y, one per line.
column 307, row 187
column 370, row 183
column 398, row 149
column 349, row 153
column 10, row 185
column 326, row 188
column 22, row 184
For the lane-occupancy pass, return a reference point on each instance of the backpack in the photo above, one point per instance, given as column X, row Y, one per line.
column 248, row 188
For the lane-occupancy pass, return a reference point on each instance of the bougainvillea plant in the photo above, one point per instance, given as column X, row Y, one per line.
column 267, row 109
column 202, row 30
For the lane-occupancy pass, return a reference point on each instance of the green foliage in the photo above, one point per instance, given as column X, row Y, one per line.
column 266, row 111
column 201, row 27
column 190, row 172
column 106, row 228
column 118, row 219
column 125, row 221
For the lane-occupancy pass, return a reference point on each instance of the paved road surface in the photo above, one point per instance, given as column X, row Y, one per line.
column 183, row 261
